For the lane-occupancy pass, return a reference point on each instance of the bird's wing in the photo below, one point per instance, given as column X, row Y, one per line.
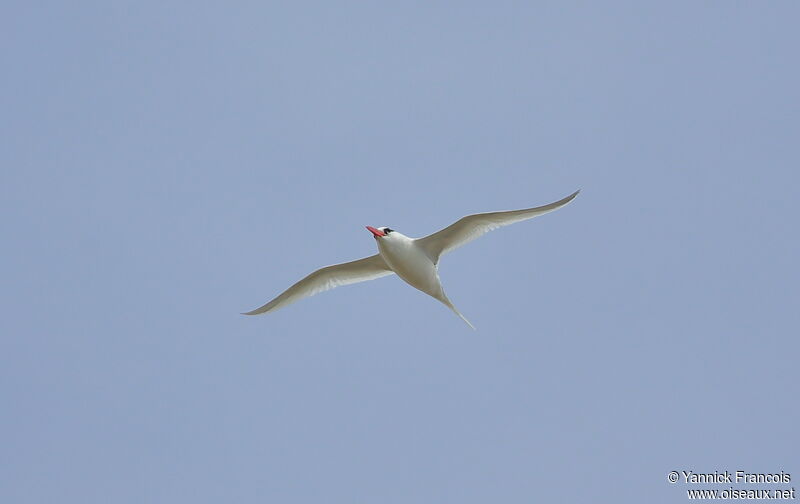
column 470, row 227
column 327, row 278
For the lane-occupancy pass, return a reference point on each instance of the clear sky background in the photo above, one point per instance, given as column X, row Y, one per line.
column 167, row 165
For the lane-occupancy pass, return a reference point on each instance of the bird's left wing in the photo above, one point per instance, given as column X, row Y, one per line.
column 327, row 278
column 470, row 227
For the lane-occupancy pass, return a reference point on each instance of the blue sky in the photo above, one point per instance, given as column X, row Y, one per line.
column 167, row 165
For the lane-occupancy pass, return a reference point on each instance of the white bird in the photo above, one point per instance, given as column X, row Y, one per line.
column 415, row 260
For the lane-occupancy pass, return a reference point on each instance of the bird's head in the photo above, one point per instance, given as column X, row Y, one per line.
column 381, row 232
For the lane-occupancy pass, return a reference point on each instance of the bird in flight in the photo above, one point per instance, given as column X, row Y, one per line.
column 415, row 260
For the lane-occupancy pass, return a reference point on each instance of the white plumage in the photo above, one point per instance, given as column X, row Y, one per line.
column 415, row 260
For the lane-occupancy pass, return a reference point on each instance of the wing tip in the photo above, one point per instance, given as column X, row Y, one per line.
column 567, row 199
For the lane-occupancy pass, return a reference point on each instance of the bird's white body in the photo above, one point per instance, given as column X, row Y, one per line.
column 415, row 260
column 412, row 263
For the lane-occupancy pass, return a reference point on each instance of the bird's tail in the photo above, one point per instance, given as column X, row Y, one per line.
column 450, row 305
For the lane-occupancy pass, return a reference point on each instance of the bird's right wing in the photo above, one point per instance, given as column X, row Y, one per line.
column 471, row 227
column 327, row 278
